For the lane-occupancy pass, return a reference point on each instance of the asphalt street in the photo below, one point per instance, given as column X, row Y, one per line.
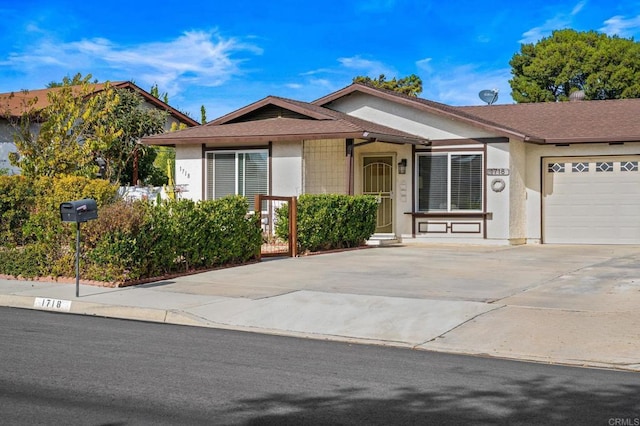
column 68, row 369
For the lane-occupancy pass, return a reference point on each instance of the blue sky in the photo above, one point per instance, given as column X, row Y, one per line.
column 225, row 55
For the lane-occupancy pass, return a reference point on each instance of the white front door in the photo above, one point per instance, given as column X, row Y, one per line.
column 377, row 180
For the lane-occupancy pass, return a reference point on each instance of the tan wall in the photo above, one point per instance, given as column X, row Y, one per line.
column 517, row 192
column 324, row 166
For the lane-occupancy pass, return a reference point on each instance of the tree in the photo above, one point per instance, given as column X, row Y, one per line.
column 83, row 123
column 410, row 85
column 604, row 67
column 155, row 92
column 77, row 80
column 203, row 115
column 72, row 128
column 127, row 161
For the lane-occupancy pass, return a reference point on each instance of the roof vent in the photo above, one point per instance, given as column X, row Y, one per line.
column 578, row 95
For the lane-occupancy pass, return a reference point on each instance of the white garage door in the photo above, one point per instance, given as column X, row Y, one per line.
column 591, row 200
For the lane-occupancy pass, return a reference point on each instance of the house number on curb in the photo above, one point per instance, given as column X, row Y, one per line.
column 52, row 304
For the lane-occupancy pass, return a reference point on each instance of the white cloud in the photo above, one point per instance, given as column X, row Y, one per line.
column 460, row 85
column 559, row 21
column 197, row 57
column 366, row 66
column 621, row 26
column 578, row 7
column 425, row 64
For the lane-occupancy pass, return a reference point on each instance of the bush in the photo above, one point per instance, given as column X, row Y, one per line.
column 330, row 221
column 128, row 241
column 17, row 199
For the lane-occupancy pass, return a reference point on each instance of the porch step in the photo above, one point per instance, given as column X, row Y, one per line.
column 376, row 240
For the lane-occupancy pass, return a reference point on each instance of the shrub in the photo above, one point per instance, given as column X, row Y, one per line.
column 330, row 221
column 129, row 240
column 17, row 198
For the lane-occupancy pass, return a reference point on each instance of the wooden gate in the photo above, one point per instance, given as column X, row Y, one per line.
column 279, row 226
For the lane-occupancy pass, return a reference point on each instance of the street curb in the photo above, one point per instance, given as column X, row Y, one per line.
column 176, row 317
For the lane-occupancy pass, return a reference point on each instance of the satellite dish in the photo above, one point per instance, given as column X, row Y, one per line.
column 489, row 96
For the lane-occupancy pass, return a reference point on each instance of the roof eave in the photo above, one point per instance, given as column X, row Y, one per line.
column 196, row 140
column 621, row 139
column 395, row 139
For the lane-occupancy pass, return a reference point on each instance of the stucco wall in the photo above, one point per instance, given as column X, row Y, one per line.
column 533, row 176
column 405, row 118
column 324, row 166
column 517, row 192
column 189, row 171
column 286, row 168
column 498, row 202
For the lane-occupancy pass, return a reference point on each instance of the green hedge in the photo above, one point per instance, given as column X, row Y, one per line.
column 128, row 241
column 17, row 200
column 330, row 221
column 137, row 240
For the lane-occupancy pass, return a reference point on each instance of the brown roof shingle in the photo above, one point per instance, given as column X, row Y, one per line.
column 567, row 122
column 318, row 123
column 15, row 104
column 559, row 122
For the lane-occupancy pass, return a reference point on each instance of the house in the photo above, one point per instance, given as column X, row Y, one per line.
column 13, row 105
column 505, row 174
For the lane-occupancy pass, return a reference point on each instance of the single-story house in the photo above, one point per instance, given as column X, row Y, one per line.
column 14, row 104
column 563, row 172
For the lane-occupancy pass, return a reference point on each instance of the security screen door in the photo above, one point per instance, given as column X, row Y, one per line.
column 378, row 180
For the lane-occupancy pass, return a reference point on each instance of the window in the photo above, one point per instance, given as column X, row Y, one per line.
column 237, row 173
column 449, row 182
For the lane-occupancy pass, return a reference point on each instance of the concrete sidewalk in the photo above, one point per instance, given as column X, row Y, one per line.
column 574, row 305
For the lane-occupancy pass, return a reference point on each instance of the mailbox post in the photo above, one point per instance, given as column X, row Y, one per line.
column 78, row 211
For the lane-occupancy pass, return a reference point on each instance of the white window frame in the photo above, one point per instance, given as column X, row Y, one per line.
column 448, row 154
column 210, row 157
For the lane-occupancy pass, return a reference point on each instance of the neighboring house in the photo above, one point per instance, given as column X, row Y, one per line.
column 14, row 105
column 508, row 174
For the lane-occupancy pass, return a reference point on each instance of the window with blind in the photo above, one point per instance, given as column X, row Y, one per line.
column 237, row 173
column 449, row 182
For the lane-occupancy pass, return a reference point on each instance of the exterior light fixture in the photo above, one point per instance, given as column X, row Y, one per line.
column 402, row 166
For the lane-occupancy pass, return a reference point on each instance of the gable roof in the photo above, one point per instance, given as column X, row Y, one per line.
column 568, row 122
column 542, row 123
column 279, row 119
column 15, row 103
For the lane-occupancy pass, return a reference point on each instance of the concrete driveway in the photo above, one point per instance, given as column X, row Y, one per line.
column 553, row 303
column 601, row 278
